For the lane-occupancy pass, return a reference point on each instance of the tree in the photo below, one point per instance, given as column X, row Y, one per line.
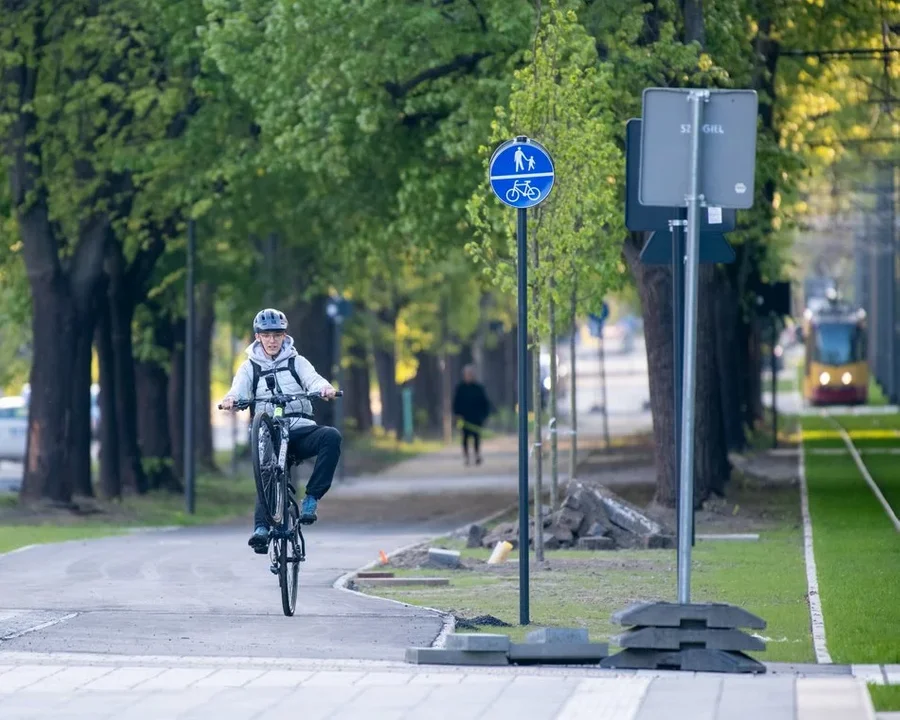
column 561, row 99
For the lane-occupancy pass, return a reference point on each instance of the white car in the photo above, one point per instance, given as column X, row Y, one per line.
column 13, row 428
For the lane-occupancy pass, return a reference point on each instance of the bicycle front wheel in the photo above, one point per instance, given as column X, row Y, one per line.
column 289, row 560
column 265, row 444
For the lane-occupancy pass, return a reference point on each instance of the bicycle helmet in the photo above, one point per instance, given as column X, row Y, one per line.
column 270, row 320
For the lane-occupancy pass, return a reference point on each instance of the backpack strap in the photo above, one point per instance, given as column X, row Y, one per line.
column 293, row 368
column 259, row 373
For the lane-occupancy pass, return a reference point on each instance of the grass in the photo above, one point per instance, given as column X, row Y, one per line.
column 218, row 499
column 885, row 697
column 856, row 548
column 583, row 589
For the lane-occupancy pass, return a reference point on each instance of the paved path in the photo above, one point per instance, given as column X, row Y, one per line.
column 170, row 688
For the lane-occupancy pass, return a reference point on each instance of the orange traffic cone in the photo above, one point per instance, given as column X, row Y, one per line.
column 384, row 558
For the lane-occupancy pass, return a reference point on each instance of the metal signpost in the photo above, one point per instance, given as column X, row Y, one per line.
column 338, row 309
column 521, row 175
column 714, row 248
column 698, row 149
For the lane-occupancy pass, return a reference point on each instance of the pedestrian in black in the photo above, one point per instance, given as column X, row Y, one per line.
column 472, row 406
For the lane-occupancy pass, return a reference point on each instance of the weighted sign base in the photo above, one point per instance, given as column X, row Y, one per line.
column 694, row 637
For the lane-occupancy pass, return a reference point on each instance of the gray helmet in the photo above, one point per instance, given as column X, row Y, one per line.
column 270, row 320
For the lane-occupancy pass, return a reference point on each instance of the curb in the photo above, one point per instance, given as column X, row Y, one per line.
column 449, row 622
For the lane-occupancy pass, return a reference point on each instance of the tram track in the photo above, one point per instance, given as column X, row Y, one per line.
column 861, row 466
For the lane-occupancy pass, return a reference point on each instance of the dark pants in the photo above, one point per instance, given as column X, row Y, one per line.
column 469, row 431
column 318, row 441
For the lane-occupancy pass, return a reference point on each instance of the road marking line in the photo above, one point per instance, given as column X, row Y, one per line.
column 42, row 626
column 817, row 620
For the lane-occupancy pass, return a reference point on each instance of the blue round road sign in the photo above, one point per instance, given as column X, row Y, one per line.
column 521, row 173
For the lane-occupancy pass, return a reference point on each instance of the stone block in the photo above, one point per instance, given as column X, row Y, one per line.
column 562, row 653
column 475, row 535
column 478, row 642
column 435, row 656
column 444, row 558
column 659, row 542
column 545, row 636
column 596, row 543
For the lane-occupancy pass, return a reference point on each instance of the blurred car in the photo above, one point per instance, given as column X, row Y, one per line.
column 13, row 428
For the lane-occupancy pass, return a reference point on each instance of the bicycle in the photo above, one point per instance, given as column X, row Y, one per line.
column 272, row 466
column 526, row 190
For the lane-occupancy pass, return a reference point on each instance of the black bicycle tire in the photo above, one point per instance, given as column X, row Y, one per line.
column 288, row 565
column 258, row 421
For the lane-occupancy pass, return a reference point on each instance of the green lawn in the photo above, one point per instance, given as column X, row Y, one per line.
column 886, row 698
column 583, row 588
column 218, row 499
column 857, row 549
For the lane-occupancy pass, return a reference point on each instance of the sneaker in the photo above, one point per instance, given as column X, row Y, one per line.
column 308, row 510
column 478, row 460
column 259, row 540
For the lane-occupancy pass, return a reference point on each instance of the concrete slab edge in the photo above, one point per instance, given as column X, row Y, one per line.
column 449, row 622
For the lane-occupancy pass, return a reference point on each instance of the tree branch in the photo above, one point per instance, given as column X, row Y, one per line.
column 460, row 62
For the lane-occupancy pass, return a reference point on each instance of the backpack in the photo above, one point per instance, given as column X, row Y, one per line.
column 259, row 373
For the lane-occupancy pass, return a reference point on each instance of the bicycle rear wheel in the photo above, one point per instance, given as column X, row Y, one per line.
column 289, row 559
column 265, row 444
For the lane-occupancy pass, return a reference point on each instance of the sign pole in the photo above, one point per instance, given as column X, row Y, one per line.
column 521, row 175
column 686, row 476
column 522, row 267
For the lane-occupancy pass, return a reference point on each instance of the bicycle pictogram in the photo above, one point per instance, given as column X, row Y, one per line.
column 522, row 188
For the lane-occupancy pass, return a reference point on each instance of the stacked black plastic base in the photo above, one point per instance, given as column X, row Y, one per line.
column 693, row 637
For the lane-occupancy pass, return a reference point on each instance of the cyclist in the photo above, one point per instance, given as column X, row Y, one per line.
column 273, row 353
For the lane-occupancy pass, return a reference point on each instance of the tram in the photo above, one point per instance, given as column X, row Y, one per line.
column 836, row 370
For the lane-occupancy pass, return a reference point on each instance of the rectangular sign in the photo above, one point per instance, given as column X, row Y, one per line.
column 647, row 218
column 727, row 147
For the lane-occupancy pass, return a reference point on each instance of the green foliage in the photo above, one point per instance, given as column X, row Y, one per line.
column 562, row 99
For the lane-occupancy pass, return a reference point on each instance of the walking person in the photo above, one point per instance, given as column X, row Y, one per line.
column 471, row 405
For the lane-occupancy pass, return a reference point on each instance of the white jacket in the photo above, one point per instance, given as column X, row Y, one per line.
column 311, row 381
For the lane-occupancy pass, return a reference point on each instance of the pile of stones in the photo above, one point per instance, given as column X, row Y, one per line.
column 591, row 518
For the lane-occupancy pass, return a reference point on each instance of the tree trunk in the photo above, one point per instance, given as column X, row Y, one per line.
column 538, row 457
column 427, row 395
column 654, row 283
column 386, row 370
column 711, row 467
column 730, row 358
column 554, row 405
column 206, row 319
column 121, row 305
column 446, row 381
column 153, row 426
column 80, row 417
column 359, row 406
column 176, row 397
column 573, row 384
column 58, row 445
column 46, row 475
column 391, row 410
column 313, row 335
column 110, row 480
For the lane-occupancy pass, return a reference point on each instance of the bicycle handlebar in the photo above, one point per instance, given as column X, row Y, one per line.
column 280, row 399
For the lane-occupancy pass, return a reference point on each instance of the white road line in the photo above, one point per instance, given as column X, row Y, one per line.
column 865, row 473
column 816, row 618
column 42, row 626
